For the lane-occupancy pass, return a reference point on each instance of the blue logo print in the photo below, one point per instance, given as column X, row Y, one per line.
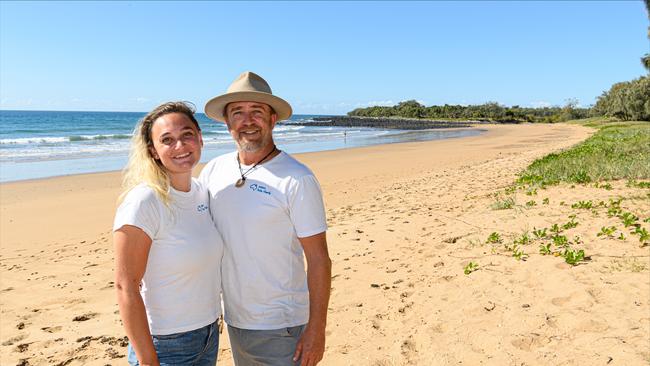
column 201, row 208
column 258, row 188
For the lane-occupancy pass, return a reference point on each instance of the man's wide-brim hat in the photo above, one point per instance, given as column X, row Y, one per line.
column 248, row 87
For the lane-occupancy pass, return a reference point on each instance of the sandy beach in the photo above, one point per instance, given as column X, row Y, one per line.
column 404, row 221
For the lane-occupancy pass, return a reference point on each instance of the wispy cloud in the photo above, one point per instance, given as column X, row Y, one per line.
column 373, row 103
column 540, row 104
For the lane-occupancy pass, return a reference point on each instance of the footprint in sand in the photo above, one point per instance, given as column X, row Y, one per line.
column 51, row 329
column 437, row 328
column 84, row 317
column 22, row 347
column 592, row 326
column 409, row 349
column 530, row 341
column 560, row 301
column 13, row 340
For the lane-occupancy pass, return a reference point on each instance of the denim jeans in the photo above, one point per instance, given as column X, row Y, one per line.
column 193, row 348
column 273, row 347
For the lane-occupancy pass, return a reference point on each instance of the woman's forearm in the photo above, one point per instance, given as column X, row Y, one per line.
column 131, row 253
column 136, row 327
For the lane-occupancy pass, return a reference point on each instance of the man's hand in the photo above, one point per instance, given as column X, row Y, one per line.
column 311, row 346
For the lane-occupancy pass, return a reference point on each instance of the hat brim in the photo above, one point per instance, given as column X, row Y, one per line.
column 214, row 108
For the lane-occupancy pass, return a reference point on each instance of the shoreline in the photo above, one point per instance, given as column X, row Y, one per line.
column 404, row 219
column 401, row 123
column 325, row 147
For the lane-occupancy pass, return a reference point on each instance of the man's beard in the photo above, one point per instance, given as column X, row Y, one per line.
column 252, row 146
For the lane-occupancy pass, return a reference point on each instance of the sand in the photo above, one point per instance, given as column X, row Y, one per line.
column 405, row 219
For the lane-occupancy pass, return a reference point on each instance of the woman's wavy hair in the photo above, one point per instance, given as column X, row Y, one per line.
column 142, row 166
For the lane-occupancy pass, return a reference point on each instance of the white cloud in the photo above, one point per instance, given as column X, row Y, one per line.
column 383, row 103
column 540, row 104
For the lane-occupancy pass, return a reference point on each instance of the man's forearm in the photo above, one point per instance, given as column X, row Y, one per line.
column 319, row 280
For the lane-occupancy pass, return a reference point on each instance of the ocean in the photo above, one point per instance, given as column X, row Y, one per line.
column 41, row 144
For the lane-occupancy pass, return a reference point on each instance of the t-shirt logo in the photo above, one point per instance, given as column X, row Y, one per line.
column 259, row 188
column 201, row 208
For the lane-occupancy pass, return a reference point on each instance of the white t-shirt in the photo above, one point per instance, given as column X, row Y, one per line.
column 264, row 280
column 182, row 282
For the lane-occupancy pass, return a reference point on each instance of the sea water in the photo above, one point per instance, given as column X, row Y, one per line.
column 40, row 144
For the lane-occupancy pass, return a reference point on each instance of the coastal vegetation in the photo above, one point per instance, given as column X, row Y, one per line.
column 616, row 151
column 625, row 101
column 491, row 111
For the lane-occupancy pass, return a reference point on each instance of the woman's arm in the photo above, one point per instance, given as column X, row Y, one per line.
column 131, row 252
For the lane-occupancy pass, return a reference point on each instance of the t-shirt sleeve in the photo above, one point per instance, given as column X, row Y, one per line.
column 306, row 207
column 139, row 209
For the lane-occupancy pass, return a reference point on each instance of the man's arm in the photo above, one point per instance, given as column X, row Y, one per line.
column 311, row 345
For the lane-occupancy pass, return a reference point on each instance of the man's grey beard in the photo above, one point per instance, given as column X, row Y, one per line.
column 252, row 147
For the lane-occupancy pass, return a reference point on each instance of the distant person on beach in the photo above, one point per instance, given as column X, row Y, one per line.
column 167, row 250
column 269, row 209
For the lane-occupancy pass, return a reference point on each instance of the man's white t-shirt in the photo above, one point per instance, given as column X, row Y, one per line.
column 182, row 282
column 264, row 280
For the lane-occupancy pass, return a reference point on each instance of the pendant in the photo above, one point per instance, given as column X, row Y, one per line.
column 240, row 182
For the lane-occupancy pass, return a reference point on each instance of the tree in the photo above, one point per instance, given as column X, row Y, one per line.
column 628, row 100
column 410, row 109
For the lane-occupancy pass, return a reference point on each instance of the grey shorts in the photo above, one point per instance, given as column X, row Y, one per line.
column 273, row 347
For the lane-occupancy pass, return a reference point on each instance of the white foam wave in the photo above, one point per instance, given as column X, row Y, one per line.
column 61, row 139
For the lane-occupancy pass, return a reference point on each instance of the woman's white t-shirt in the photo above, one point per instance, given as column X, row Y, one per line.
column 182, row 282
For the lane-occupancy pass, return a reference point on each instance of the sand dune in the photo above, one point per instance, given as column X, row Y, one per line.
column 405, row 219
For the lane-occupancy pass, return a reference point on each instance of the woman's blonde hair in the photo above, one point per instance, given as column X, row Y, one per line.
column 142, row 166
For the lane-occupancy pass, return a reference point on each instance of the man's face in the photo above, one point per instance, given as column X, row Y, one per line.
column 251, row 125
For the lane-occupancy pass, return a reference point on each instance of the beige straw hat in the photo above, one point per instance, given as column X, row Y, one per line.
column 248, row 87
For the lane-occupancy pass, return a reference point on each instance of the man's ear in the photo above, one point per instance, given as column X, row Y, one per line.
column 274, row 119
column 228, row 125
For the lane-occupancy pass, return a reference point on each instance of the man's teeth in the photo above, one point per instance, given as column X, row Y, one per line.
column 182, row 156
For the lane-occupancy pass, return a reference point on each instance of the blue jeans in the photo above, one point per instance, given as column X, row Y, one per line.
column 274, row 347
column 193, row 348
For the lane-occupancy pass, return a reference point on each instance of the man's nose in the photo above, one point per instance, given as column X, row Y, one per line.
column 247, row 118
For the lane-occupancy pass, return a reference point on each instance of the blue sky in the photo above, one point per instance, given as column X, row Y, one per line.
column 323, row 57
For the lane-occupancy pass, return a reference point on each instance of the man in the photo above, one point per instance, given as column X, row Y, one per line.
column 269, row 210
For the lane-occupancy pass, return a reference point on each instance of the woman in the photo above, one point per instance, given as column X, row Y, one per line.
column 167, row 250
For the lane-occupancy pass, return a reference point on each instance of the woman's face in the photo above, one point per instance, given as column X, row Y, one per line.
column 176, row 143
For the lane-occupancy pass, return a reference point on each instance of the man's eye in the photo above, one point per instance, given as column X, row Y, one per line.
column 188, row 135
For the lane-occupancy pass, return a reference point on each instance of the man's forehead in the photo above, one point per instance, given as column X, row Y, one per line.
column 239, row 105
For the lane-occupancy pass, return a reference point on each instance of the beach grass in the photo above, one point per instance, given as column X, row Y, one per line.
column 618, row 150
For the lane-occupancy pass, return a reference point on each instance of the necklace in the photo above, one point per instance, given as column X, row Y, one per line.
column 242, row 180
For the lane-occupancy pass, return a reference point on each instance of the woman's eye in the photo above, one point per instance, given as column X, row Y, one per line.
column 166, row 140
